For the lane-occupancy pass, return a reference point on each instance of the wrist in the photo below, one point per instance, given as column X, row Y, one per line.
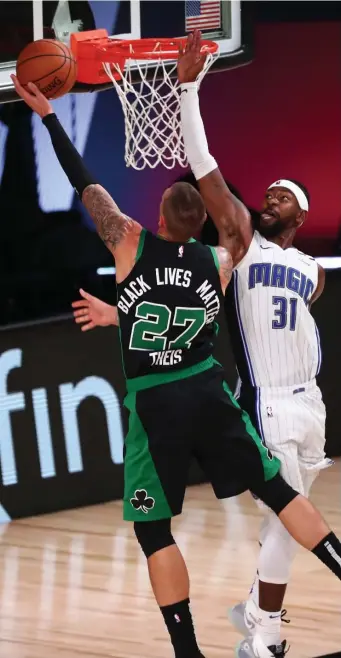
column 47, row 117
column 45, row 113
column 186, row 86
column 113, row 315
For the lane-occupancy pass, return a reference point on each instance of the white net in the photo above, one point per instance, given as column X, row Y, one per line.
column 151, row 110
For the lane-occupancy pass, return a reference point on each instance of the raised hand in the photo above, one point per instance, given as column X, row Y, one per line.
column 91, row 312
column 33, row 97
column 191, row 60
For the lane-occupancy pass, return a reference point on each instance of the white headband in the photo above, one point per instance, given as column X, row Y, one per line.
column 299, row 194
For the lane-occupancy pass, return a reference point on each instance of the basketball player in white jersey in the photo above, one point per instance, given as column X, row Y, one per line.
column 276, row 345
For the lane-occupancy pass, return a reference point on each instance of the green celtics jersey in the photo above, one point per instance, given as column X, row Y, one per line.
column 167, row 307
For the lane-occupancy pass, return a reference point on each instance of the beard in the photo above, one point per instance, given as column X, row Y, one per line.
column 272, row 229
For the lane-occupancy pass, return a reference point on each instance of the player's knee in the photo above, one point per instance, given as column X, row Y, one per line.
column 277, row 553
column 275, row 493
column 153, row 535
column 282, row 537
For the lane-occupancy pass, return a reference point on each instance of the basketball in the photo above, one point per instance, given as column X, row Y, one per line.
column 50, row 65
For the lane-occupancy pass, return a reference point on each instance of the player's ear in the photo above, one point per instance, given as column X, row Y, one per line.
column 162, row 222
column 301, row 217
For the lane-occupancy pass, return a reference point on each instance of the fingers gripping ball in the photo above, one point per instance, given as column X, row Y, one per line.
column 50, row 65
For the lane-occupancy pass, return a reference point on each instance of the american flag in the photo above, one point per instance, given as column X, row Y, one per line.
column 203, row 15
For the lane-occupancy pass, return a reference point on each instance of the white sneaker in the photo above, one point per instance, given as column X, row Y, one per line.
column 236, row 617
column 254, row 647
column 244, row 617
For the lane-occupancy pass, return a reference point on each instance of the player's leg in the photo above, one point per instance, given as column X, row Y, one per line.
column 276, row 555
column 264, row 416
column 253, row 463
column 237, row 459
column 308, row 528
column 294, row 430
column 277, row 551
column 170, row 583
column 265, row 600
column 232, row 456
column 156, row 466
column 283, row 421
column 299, row 443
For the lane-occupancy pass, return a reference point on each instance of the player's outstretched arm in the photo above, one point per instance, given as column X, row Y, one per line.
column 91, row 312
column 230, row 216
column 119, row 233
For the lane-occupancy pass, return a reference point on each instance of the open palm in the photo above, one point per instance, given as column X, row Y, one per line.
column 191, row 60
column 91, row 312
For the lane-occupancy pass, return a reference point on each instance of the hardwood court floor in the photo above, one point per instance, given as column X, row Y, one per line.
column 74, row 584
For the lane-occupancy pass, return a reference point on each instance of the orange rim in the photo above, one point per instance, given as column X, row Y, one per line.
column 114, row 50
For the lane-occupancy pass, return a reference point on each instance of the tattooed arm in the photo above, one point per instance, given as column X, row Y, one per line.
column 225, row 266
column 118, row 232
column 112, row 226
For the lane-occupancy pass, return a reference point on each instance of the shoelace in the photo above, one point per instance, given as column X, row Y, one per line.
column 284, row 614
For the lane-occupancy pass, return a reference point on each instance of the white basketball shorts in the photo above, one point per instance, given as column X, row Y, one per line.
column 291, row 422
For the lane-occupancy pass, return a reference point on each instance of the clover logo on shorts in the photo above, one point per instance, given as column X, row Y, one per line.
column 142, row 501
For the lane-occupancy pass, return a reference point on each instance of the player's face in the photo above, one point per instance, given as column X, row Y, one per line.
column 280, row 212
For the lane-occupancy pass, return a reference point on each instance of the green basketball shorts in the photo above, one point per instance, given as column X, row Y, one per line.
column 171, row 423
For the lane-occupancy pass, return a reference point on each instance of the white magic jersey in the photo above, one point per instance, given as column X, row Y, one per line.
column 274, row 336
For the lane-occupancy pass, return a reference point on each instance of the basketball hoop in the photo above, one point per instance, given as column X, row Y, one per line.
column 151, row 105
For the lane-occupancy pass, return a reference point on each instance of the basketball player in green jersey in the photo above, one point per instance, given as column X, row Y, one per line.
column 169, row 291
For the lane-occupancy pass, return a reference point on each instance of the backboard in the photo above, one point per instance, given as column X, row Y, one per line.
column 224, row 21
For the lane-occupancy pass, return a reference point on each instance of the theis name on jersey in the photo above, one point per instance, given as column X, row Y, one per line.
column 170, row 276
column 275, row 275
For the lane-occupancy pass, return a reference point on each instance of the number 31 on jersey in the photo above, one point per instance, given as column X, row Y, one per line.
column 285, row 312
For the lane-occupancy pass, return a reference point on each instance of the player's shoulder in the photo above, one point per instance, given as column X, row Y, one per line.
column 297, row 255
column 258, row 245
column 253, row 253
